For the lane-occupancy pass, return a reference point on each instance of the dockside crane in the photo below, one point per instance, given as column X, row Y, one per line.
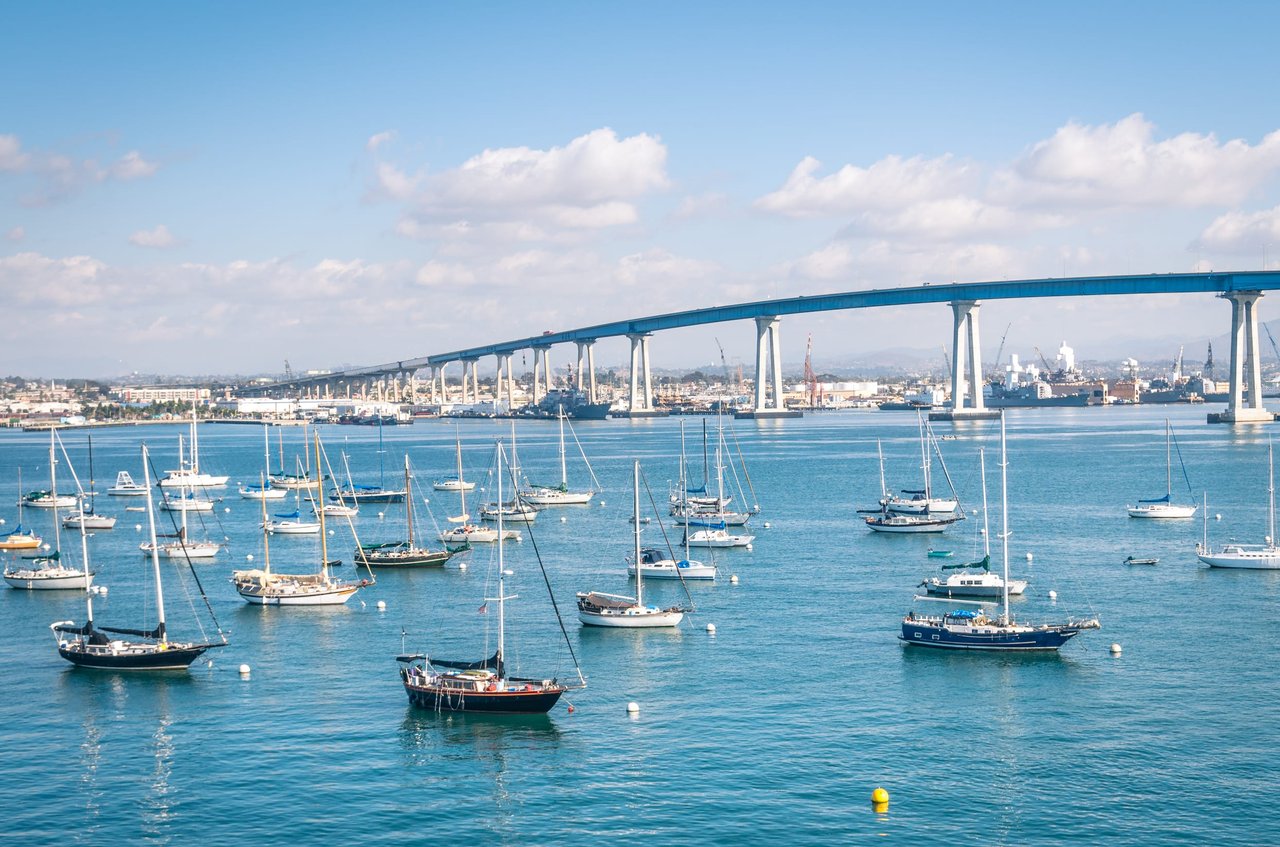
column 1000, row 349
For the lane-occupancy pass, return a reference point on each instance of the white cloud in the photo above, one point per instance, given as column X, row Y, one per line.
column 133, row 166
column 888, row 185
column 1124, row 165
column 376, row 141
column 441, row 274
column 11, row 156
column 701, row 205
column 16, row 234
column 30, row 278
column 158, row 237
column 591, row 183
column 1243, row 232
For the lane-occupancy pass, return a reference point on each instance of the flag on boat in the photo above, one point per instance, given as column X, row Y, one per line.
column 484, row 608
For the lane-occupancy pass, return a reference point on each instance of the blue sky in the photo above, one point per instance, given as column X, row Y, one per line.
column 207, row 188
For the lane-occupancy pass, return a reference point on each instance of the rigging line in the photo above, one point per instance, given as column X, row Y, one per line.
column 583, row 453
column 319, row 503
column 683, row 584
column 195, row 575
column 1178, row 447
column 546, row 579
column 938, row 451
column 737, row 445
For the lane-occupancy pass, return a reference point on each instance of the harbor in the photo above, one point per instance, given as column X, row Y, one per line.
column 858, row 708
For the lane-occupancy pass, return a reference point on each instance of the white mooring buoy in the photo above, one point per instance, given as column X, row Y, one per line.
column 1115, row 649
column 711, row 629
column 382, row 605
column 462, row 566
column 244, row 670
column 1029, row 557
column 633, row 708
column 733, row 579
column 1053, row 595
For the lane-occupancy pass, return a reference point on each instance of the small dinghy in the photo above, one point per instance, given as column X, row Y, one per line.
column 1141, row 560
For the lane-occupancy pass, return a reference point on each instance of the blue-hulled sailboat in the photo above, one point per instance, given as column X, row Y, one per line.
column 965, row 629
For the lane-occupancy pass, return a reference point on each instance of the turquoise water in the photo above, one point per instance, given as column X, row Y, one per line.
column 776, row 728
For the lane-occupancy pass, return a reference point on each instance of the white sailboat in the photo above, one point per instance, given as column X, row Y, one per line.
column 264, row 587
column 264, row 490
column 464, row 531
column 340, row 508
column 182, row 546
column 691, row 509
column 88, row 516
column 1259, row 557
column 975, row 579
column 596, row 608
column 922, row 501
column 47, row 572
column 292, row 523
column 884, row 520
column 700, row 531
column 188, row 473
column 456, row 482
column 560, row 495
column 1164, row 507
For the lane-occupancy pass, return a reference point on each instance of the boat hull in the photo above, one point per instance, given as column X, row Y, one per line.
column 125, row 656
column 557, row 498
column 692, row 571
column 993, row 638
column 1162, row 511
column 407, row 559
column 653, row 620
column 906, row 527
column 199, row 550
column 1248, row 563
column 989, row 591
column 324, row 597
column 68, row 582
column 89, row 522
column 488, row 702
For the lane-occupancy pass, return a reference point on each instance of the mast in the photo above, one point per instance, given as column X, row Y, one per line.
column 381, row 452
column 195, row 443
column 635, row 510
column 1004, row 518
column 986, row 526
column 53, row 492
column 462, row 489
column 324, row 538
column 92, row 492
column 155, row 548
column 1168, row 461
column 408, row 500
column 84, row 546
column 884, row 492
column 684, row 490
column 564, row 476
column 1271, row 496
column 720, row 423
column 266, row 545
column 924, row 457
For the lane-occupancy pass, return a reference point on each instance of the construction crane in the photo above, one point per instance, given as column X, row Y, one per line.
column 1272, row 339
column 1048, row 368
column 724, row 363
column 1000, row 349
column 810, row 379
column 946, row 360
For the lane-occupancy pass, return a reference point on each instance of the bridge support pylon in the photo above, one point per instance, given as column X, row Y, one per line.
column 1244, row 348
column 586, row 376
column 768, row 372
column 966, row 367
column 641, row 398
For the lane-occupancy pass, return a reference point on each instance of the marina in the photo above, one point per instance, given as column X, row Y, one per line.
column 152, row 745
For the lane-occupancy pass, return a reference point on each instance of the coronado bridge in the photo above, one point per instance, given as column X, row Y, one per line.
column 1242, row 290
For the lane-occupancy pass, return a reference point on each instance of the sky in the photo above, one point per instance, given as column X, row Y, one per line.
column 201, row 188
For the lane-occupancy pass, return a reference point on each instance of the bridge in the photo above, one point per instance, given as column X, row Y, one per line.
column 1243, row 289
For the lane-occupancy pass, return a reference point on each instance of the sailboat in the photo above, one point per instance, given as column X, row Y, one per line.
column 20, row 538
column 188, row 473
column 265, row 587
column 613, row 610
column 406, row 553
column 712, row 532
column 1264, row 556
column 340, row 509
column 88, row 516
column 921, row 501
column 973, row 579
column 446, row 685
column 182, row 546
column 514, row 510
column 92, row 646
column 357, row 494
column 455, row 482
column 301, row 479
column 690, row 506
column 464, row 531
column 883, row 520
column 964, row 629
column 1164, row 507
column 560, row 495
column 263, row 490
column 46, row 571
column 292, row 523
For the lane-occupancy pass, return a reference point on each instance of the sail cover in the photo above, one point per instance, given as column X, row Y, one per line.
column 1164, row 499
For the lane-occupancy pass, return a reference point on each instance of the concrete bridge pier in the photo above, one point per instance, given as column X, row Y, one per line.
column 641, row 397
column 586, row 375
column 1244, row 348
column 541, row 372
column 966, row 383
column 504, row 383
column 768, row 371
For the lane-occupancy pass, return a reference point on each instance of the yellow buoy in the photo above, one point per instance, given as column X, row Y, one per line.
column 880, row 797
